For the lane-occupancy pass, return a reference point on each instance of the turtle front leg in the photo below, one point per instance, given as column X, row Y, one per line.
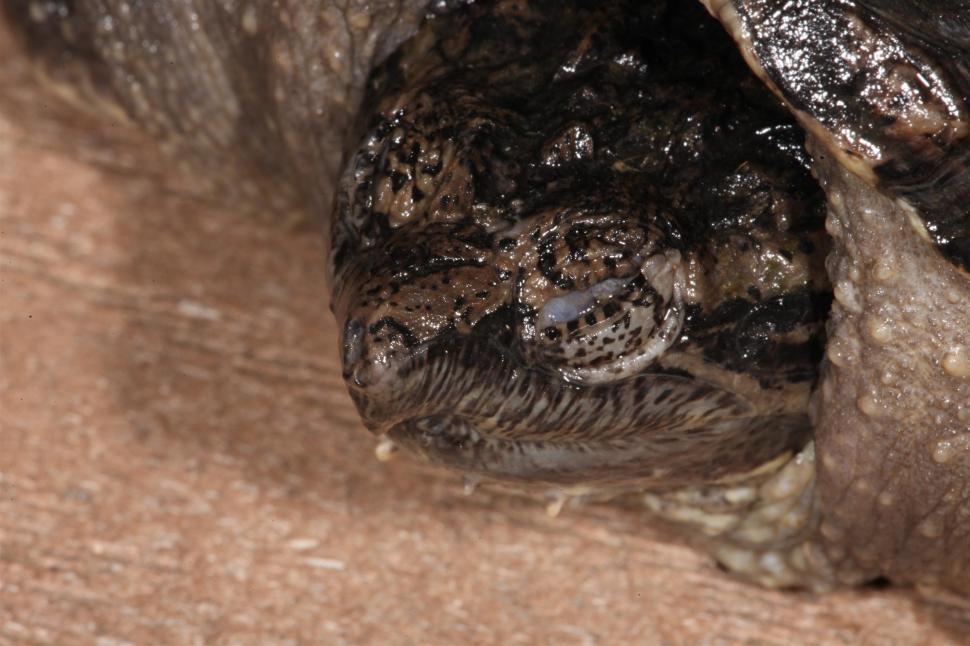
column 885, row 96
column 893, row 411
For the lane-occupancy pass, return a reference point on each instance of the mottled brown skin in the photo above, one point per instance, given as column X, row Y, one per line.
column 271, row 93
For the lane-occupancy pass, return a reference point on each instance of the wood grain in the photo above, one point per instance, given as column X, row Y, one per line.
column 180, row 463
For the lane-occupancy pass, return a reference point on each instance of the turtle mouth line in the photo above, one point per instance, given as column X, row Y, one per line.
column 498, row 419
column 469, row 446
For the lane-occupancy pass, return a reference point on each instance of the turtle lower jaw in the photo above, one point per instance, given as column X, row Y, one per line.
column 471, row 405
column 532, row 465
column 601, row 467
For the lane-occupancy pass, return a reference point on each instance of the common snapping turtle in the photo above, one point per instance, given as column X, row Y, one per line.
column 580, row 250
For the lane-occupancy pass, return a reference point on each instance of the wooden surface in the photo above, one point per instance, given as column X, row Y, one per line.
column 180, row 463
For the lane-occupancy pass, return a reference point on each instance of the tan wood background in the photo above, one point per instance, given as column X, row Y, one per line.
column 179, row 462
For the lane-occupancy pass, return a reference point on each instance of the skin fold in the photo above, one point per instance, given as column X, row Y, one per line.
column 790, row 476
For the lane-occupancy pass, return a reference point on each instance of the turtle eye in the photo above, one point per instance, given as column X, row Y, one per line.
column 605, row 300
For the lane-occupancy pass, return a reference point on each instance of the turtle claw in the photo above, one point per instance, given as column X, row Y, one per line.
column 557, row 501
column 385, row 450
column 469, row 484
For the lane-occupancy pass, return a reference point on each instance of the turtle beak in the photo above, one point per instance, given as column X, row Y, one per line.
column 393, row 377
column 418, row 293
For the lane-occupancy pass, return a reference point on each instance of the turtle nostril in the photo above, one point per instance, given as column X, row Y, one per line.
column 373, row 354
column 360, row 376
column 352, row 346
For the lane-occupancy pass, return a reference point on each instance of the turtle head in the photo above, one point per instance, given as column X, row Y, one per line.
column 606, row 273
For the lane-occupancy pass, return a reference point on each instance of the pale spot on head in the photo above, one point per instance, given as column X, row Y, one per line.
column 250, row 23
column 943, row 451
column 885, row 499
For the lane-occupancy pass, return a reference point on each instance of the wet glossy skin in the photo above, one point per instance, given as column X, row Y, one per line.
column 271, row 93
column 521, row 405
